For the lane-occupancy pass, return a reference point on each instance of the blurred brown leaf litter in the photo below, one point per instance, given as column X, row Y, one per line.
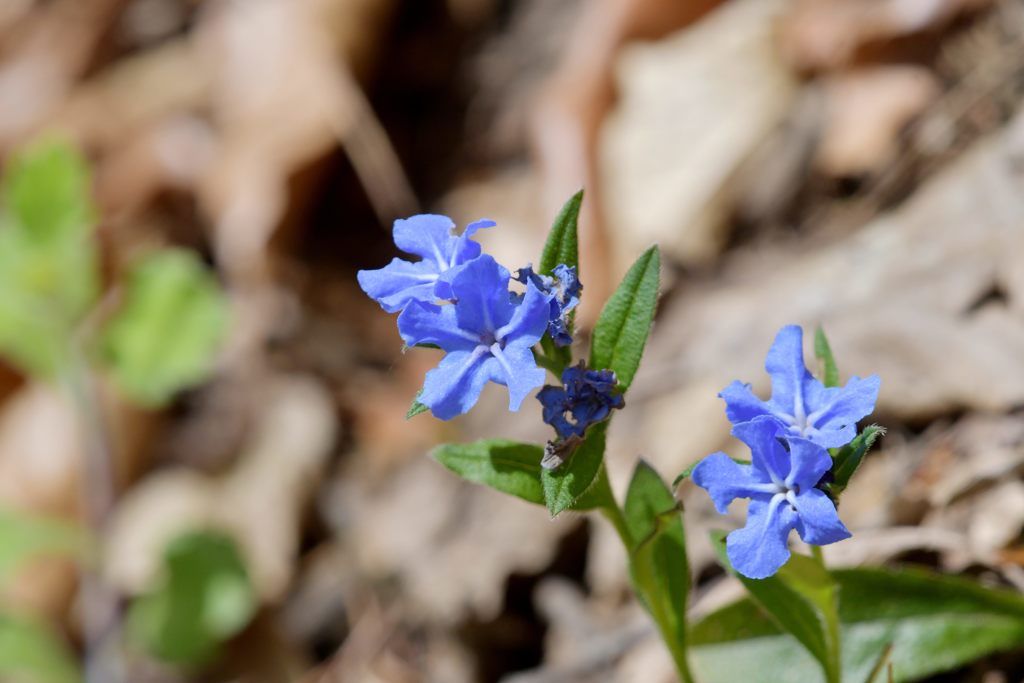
column 853, row 163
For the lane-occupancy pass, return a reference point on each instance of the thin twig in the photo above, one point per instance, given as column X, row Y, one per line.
column 99, row 604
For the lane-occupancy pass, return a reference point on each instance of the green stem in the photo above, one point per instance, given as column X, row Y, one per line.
column 611, row 510
column 834, row 671
column 613, row 513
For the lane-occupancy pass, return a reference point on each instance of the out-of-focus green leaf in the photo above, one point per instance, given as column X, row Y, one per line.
column 205, row 597
column 823, row 352
column 505, row 466
column 164, row 337
column 658, row 563
column 933, row 623
column 625, row 322
column 48, row 262
column 564, row 486
column 24, row 537
column 46, row 192
column 31, row 651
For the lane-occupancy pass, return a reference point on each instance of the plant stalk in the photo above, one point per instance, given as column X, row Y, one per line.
column 99, row 603
column 614, row 514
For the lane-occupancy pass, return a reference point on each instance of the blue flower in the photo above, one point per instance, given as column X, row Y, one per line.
column 442, row 254
column 782, row 493
column 588, row 397
column 486, row 337
column 565, row 289
column 805, row 407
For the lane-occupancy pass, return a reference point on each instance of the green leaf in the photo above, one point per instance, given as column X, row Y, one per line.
column 32, row 651
column 205, row 597
column 507, row 466
column 24, row 537
column 823, row 352
column 564, row 487
column 658, row 563
column 933, row 623
column 562, row 245
column 848, row 458
column 416, row 408
column 46, row 192
column 49, row 276
column 800, row 599
column 164, row 337
column 621, row 331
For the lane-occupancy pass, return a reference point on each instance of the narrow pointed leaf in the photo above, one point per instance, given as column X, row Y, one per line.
column 562, row 245
column 506, row 466
column 416, row 407
column 622, row 329
column 658, row 563
column 849, row 457
column 564, row 487
column 823, row 352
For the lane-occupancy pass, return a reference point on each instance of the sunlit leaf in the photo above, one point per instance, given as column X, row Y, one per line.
column 625, row 322
column 564, row 487
column 31, row 651
column 165, row 335
column 204, row 598
column 933, row 623
column 49, row 275
column 658, row 562
column 506, row 466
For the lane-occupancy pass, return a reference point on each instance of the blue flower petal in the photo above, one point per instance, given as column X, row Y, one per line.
column 819, row 521
column 398, row 283
column 768, row 456
column 726, row 480
column 529, row 320
column 428, row 236
column 464, row 250
column 422, row 323
column 741, row 404
column 760, row 548
column 454, row 386
column 481, row 292
column 843, row 408
column 516, row 369
column 557, row 403
column 785, row 365
column 809, row 462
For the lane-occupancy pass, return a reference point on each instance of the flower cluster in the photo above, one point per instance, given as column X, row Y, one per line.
column 564, row 287
column 788, row 436
column 586, row 397
column 457, row 298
